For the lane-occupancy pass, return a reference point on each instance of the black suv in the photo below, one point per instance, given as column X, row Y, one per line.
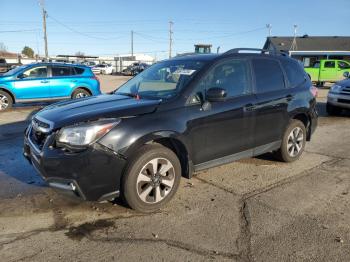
column 177, row 117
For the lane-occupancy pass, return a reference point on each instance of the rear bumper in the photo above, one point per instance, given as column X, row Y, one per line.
column 93, row 174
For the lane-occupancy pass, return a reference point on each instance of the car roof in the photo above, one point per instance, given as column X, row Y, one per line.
column 196, row 57
column 57, row 64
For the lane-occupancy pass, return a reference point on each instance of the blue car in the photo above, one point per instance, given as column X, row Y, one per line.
column 46, row 82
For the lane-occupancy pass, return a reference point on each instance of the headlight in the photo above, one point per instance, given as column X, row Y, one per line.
column 336, row 88
column 85, row 134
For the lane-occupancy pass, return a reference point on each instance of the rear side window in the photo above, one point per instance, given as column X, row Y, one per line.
column 78, row 70
column 268, row 75
column 329, row 64
column 61, row 71
column 295, row 73
column 343, row 65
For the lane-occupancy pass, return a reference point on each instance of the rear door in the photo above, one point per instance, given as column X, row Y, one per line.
column 33, row 84
column 219, row 129
column 62, row 81
column 272, row 101
column 328, row 71
column 343, row 66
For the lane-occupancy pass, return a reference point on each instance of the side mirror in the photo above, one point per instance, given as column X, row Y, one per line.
column 21, row 76
column 216, row 94
column 346, row 74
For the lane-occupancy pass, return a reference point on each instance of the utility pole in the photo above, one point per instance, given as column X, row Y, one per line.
column 294, row 46
column 132, row 43
column 170, row 38
column 44, row 13
column 269, row 28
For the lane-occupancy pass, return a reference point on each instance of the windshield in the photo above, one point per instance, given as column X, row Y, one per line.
column 14, row 70
column 162, row 80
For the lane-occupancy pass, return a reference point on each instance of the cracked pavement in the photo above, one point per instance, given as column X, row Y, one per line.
column 254, row 209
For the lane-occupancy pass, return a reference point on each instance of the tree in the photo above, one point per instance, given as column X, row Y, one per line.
column 28, row 51
column 3, row 47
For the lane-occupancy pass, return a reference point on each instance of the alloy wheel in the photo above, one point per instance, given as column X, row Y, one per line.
column 80, row 95
column 4, row 102
column 295, row 142
column 155, row 180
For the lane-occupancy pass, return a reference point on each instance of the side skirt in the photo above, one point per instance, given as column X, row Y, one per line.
column 244, row 154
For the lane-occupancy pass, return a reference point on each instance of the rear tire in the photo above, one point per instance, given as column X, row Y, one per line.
column 333, row 110
column 6, row 101
column 80, row 93
column 151, row 178
column 293, row 142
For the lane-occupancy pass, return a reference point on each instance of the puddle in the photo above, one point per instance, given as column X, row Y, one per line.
column 79, row 232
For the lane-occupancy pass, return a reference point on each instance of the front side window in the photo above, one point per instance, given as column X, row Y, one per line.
column 162, row 80
column 35, row 72
column 231, row 75
column 61, row 71
column 343, row 65
column 268, row 75
column 329, row 64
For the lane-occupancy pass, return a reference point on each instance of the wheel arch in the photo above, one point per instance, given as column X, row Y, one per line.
column 81, row 87
column 305, row 119
column 9, row 92
column 170, row 140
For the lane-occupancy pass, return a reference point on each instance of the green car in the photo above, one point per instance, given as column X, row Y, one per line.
column 329, row 70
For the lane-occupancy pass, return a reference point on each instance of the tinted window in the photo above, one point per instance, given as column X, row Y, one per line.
column 329, row 64
column 343, row 65
column 61, row 71
column 295, row 73
column 36, row 72
column 78, row 70
column 231, row 75
column 268, row 75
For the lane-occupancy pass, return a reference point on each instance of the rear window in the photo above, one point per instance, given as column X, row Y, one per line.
column 78, row 70
column 61, row 71
column 295, row 73
column 268, row 75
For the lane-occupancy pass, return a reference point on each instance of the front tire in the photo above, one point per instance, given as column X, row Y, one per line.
column 6, row 101
column 333, row 110
column 293, row 142
column 151, row 178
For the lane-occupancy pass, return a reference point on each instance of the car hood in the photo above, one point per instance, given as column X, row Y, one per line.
column 345, row 82
column 95, row 107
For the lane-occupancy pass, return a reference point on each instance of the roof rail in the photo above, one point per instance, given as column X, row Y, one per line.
column 262, row 51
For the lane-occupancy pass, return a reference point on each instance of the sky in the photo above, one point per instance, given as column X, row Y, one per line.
column 103, row 27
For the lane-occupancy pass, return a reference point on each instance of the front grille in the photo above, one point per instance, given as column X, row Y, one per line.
column 345, row 101
column 38, row 138
column 39, row 132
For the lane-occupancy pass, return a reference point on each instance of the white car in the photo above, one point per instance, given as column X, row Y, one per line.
column 103, row 69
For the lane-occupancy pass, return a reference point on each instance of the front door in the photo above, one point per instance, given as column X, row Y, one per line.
column 33, row 84
column 222, row 129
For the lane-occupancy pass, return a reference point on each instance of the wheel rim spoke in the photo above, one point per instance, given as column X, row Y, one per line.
column 155, row 180
column 295, row 141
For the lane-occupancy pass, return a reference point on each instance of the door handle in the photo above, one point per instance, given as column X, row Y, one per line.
column 44, row 81
column 249, row 108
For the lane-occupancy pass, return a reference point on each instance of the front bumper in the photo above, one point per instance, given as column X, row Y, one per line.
column 93, row 174
column 339, row 100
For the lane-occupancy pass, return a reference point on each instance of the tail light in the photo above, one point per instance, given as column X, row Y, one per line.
column 314, row 91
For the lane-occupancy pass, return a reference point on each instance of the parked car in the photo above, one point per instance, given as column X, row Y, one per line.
column 103, row 69
column 135, row 69
column 339, row 96
column 4, row 66
column 46, row 82
column 329, row 70
column 177, row 117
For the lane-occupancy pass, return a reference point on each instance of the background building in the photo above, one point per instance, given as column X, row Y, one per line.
column 308, row 49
